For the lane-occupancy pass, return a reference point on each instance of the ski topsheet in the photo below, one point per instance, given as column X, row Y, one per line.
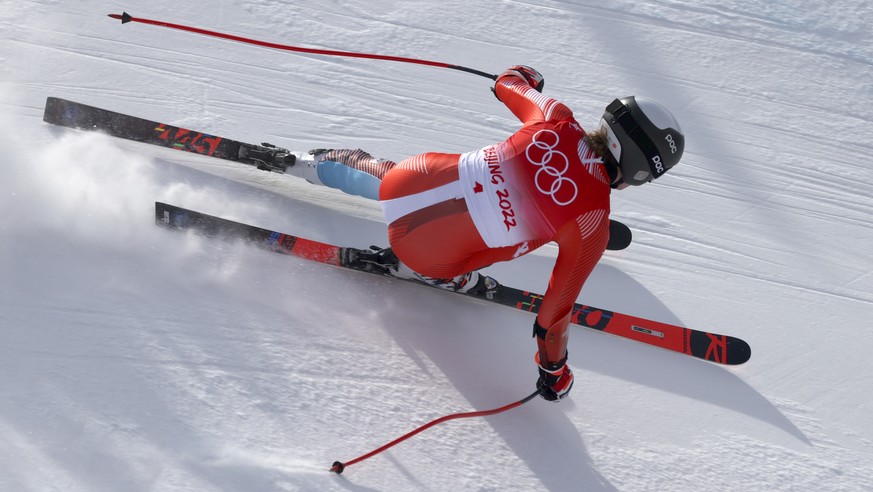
column 71, row 114
column 713, row 347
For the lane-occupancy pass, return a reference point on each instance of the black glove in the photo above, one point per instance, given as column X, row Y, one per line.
column 528, row 74
column 556, row 379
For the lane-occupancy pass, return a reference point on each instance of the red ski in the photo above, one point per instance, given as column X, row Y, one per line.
column 721, row 349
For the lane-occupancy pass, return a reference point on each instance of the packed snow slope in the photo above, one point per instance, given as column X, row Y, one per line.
column 133, row 358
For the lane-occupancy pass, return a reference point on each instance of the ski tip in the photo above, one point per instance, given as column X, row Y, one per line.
column 620, row 236
column 124, row 17
column 739, row 351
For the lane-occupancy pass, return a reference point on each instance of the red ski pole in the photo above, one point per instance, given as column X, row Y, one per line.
column 125, row 18
column 338, row 466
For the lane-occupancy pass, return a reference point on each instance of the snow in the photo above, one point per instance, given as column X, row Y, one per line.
column 132, row 358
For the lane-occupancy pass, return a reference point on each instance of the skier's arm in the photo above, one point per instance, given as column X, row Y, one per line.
column 525, row 102
column 580, row 245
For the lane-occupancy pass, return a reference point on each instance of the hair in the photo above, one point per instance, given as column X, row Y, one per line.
column 598, row 143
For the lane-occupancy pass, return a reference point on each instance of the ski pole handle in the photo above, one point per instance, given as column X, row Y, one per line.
column 125, row 18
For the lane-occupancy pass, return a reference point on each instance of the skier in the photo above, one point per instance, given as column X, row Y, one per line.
column 450, row 215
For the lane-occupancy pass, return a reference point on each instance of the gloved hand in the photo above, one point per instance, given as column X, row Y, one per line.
column 528, row 74
column 556, row 379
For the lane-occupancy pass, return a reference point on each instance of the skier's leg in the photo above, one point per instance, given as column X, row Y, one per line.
column 430, row 228
column 353, row 171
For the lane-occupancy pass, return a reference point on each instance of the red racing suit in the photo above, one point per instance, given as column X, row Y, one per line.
column 449, row 214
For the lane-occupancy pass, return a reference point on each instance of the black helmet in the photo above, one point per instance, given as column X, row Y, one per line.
column 644, row 138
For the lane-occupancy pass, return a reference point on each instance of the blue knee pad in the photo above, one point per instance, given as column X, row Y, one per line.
column 349, row 180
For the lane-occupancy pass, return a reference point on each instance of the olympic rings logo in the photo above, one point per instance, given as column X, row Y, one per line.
column 553, row 164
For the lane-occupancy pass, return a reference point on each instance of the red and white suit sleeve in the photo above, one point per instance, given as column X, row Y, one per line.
column 580, row 246
column 528, row 105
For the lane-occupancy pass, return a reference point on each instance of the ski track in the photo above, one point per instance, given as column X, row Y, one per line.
column 148, row 360
column 768, row 26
